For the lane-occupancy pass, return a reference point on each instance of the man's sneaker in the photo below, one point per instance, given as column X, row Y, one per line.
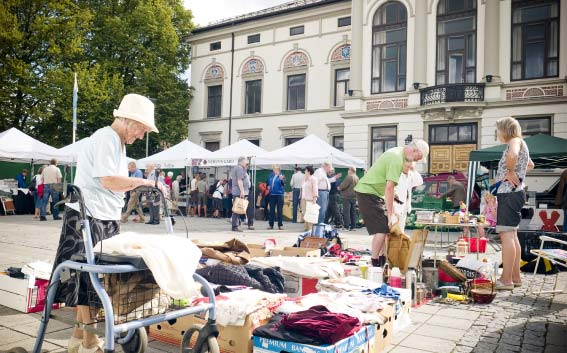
column 238, row 230
column 42, row 219
column 57, row 218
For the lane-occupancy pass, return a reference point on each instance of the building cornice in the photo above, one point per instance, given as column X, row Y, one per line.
column 256, row 116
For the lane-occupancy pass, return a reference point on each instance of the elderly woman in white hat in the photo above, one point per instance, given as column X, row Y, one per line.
column 102, row 175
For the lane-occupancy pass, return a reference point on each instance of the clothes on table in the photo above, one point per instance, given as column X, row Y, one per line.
column 275, row 330
column 319, row 322
column 266, row 279
column 233, row 251
column 171, row 259
column 310, row 267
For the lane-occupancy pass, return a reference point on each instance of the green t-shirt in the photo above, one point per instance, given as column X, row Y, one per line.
column 388, row 167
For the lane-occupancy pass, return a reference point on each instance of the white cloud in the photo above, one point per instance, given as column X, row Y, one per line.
column 205, row 11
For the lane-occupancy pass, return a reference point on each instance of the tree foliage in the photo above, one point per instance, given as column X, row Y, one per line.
column 114, row 46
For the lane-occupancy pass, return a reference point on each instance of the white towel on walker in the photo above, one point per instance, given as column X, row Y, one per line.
column 172, row 259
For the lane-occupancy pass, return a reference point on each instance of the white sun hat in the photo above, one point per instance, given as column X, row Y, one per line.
column 138, row 108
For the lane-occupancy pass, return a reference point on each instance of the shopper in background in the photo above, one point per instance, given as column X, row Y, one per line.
column 309, row 191
column 276, row 183
column 38, row 192
column 217, row 197
column 50, row 176
column 296, row 182
column 202, row 195
column 324, row 185
column 349, row 198
column 175, row 191
column 194, row 194
column 134, row 197
column 21, row 179
column 240, row 187
column 456, row 192
column 333, row 211
column 511, row 197
column 103, row 179
column 375, row 192
column 154, row 201
column 168, row 180
column 561, row 198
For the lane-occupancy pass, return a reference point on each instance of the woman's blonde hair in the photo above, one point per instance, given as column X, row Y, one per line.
column 276, row 166
column 509, row 127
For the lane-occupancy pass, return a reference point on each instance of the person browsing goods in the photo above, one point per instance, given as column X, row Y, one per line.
column 50, row 176
column 375, row 192
column 240, row 188
column 324, row 186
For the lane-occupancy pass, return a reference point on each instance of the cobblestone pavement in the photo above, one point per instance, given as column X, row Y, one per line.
column 519, row 321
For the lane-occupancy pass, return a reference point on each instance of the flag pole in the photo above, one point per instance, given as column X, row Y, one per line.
column 75, row 97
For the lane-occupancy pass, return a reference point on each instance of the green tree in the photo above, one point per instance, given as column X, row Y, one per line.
column 115, row 46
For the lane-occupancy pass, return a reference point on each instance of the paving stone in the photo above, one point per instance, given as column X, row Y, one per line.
column 28, row 344
column 554, row 349
column 420, row 317
column 458, row 314
column 400, row 349
column 528, row 348
column 557, row 335
column 485, row 347
column 463, row 349
column 427, row 309
column 429, row 344
column 400, row 336
column 9, row 336
column 490, row 339
column 503, row 347
column 450, row 334
column 449, row 322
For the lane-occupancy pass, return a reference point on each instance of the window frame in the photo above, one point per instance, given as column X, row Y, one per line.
column 339, row 25
column 333, row 142
column 302, row 27
column 287, row 99
column 548, row 118
column 372, row 140
column 246, row 83
column 547, row 24
column 288, row 140
column 399, row 45
column 454, row 16
column 210, row 142
column 209, row 87
column 254, row 36
column 214, row 44
column 254, row 140
column 336, row 81
column 474, row 134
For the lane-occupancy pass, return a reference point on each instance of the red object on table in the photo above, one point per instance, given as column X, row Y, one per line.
column 549, row 223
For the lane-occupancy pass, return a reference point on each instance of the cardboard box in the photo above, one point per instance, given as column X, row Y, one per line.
column 232, row 339
column 314, row 243
column 297, row 252
column 25, row 295
column 418, row 238
column 297, row 286
column 385, row 332
column 362, row 341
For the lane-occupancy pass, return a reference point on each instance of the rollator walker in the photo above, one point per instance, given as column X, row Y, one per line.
column 130, row 334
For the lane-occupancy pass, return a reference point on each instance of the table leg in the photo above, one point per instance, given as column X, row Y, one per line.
column 435, row 250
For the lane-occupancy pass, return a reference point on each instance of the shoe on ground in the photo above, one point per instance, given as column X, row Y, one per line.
column 280, row 228
column 518, row 284
column 270, row 228
column 251, row 227
column 42, row 219
column 238, row 230
column 502, row 286
column 74, row 344
column 57, row 219
column 98, row 348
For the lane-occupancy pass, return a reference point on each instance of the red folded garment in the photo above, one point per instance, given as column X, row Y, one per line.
column 319, row 322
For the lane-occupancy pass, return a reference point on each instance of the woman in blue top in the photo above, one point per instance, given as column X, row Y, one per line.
column 276, row 183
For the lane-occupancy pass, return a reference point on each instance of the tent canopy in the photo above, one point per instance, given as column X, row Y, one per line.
column 178, row 156
column 229, row 155
column 546, row 152
column 16, row 146
column 309, row 150
column 72, row 151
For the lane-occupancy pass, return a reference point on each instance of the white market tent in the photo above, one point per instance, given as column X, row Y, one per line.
column 16, row 146
column 72, row 151
column 178, row 156
column 309, row 150
column 228, row 156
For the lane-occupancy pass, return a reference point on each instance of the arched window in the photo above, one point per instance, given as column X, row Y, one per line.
column 456, row 41
column 389, row 36
column 535, row 39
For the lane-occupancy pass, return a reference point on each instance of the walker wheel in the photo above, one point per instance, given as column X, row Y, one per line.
column 138, row 343
column 210, row 346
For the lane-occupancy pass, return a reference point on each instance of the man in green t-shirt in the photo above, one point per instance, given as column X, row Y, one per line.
column 375, row 192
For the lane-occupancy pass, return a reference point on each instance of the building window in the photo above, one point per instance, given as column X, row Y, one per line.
column 296, row 92
column 215, row 46
column 253, row 97
column 383, row 138
column 290, row 140
column 456, row 41
column 214, row 101
column 294, row 31
column 342, row 77
column 212, row 145
column 452, row 134
column 535, row 39
column 343, row 21
column 255, row 142
column 389, row 35
column 339, row 142
column 535, row 126
column 254, row 38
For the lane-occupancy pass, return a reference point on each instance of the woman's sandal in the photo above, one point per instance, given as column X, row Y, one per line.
column 98, row 348
column 74, row 344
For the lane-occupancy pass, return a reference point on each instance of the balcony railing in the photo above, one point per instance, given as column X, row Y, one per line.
column 458, row 92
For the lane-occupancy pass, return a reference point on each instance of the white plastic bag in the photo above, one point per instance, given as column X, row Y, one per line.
column 311, row 212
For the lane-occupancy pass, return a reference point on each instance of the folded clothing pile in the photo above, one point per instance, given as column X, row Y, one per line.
column 315, row 326
column 233, row 252
column 266, row 279
column 309, row 267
